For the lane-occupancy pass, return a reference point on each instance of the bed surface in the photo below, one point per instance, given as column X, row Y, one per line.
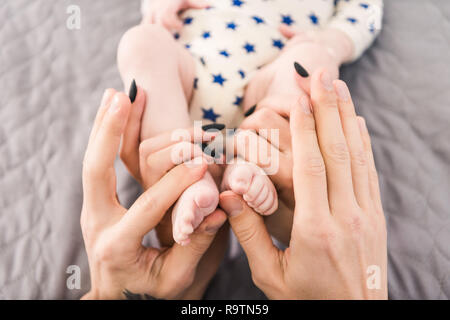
column 52, row 79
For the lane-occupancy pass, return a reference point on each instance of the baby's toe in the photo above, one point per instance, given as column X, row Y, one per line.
column 240, row 179
column 266, row 205
column 255, row 188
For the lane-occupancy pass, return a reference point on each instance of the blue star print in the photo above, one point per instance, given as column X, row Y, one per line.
column 206, row 35
column 286, row 19
column 209, row 114
column 238, row 101
column 218, row 79
column 241, row 73
column 188, row 20
column 352, row 20
column 277, row 43
column 249, row 47
column 237, row 3
column 224, row 53
column 314, row 19
column 195, row 83
column 364, row 5
column 257, row 19
column 231, row 25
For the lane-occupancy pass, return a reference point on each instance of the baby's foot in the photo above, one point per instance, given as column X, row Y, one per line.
column 196, row 202
column 249, row 180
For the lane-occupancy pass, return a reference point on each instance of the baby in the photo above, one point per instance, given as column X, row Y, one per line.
column 201, row 60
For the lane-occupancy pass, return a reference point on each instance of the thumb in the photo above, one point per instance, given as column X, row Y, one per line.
column 183, row 260
column 250, row 230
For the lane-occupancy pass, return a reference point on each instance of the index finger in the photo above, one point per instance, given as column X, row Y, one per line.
column 170, row 138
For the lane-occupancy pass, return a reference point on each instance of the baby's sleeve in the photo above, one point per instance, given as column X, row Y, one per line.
column 360, row 20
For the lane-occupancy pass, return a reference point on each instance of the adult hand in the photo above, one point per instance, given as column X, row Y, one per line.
column 338, row 243
column 113, row 235
column 147, row 161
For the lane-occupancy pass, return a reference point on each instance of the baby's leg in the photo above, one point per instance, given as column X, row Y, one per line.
column 166, row 71
column 250, row 181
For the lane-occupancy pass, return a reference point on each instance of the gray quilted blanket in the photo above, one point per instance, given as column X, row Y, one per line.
column 52, row 79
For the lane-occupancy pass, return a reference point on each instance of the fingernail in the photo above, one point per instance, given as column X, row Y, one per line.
column 232, row 207
column 342, row 90
column 326, row 80
column 250, row 111
column 115, row 106
column 305, row 105
column 133, row 91
column 300, row 70
column 217, row 126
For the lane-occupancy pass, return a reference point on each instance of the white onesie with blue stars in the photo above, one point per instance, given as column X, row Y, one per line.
column 233, row 38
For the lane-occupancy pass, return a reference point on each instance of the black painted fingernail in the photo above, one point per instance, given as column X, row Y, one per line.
column 250, row 111
column 217, row 126
column 133, row 91
column 300, row 70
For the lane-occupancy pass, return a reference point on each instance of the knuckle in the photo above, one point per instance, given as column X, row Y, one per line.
column 308, row 125
column 355, row 223
column 198, row 247
column 326, row 240
column 125, row 154
column 104, row 253
column 315, row 166
column 338, row 152
column 247, row 233
column 329, row 104
column 147, row 201
column 359, row 158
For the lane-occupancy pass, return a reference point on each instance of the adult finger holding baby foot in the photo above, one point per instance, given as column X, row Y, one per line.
column 338, row 246
column 119, row 263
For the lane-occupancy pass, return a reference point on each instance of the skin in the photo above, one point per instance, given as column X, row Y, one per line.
column 151, row 159
column 339, row 226
column 165, row 13
column 276, row 89
column 113, row 234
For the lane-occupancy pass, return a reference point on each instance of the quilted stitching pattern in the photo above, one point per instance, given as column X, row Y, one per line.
column 52, row 79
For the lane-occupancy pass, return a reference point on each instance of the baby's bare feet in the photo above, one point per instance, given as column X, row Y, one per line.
column 253, row 184
column 196, row 202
